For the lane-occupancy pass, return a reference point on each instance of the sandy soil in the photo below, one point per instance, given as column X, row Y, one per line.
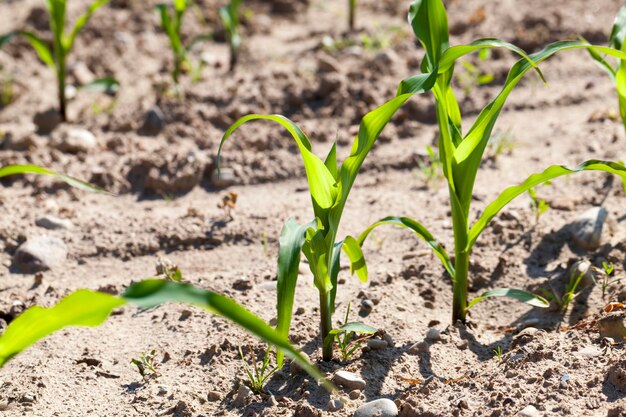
column 167, row 205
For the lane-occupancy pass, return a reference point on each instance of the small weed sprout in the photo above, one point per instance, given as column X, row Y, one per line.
column 498, row 352
column 617, row 72
column 259, row 374
column 145, row 365
column 350, row 336
column 56, row 56
column 571, row 290
column 229, row 16
column 500, row 143
column 607, row 271
column 431, row 170
column 538, row 205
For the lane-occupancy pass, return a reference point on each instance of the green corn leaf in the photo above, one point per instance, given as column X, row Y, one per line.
column 550, row 173
column 89, row 308
column 452, row 54
column 618, row 31
column 468, row 155
column 180, row 5
column 321, row 181
column 601, row 61
column 81, row 308
column 169, row 26
column 57, row 20
column 620, row 82
column 43, row 51
column 430, row 24
column 34, row 169
column 150, row 293
column 520, row 295
column 81, row 22
column 352, row 248
column 358, row 328
column 331, row 161
column 108, row 85
column 352, row 327
column 420, row 231
column 290, row 247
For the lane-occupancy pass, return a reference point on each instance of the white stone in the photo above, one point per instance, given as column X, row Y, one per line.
column 377, row 408
column 349, row 380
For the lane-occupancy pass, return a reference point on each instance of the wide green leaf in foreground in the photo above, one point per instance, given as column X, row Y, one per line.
column 89, row 308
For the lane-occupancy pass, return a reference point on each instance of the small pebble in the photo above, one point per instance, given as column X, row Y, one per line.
column 52, row 222
column 214, row 396
column 349, row 380
column 367, row 306
column 377, row 408
column 433, row 333
column 376, row 344
column 529, row 411
column 334, row 405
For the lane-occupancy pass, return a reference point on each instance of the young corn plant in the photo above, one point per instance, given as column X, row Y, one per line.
column 171, row 23
column 461, row 155
column 617, row 72
column 329, row 187
column 92, row 308
column 229, row 15
column 56, row 55
column 350, row 336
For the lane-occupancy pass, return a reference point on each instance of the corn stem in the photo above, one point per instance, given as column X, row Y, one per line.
column 326, row 325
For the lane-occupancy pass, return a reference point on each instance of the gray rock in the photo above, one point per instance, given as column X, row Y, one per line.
column 226, row 178
column 51, row 222
column 367, row 306
column 334, row 405
column 587, row 228
column 326, row 63
column 377, row 408
column 377, row 344
column 214, row 396
column 433, row 333
column 81, row 73
column 242, row 395
column 529, row 411
column 40, row 254
column 349, row 380
column 76, row 140
column 46, row 121
column 154, row 121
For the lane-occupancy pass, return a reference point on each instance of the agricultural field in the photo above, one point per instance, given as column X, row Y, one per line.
column 194, row 165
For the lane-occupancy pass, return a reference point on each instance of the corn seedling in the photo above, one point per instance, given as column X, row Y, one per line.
column 461, row 155
column 92, row 308
column 171, row 23
column 617, row 72
column 498, row 353
column 351, row 14
column 571, row 291
column 537, row 205
column 56, row 56
column 607, row 271
column 329, row 187
column 34, row 169
column 259, row 373
column 145, row 365
column 229, row 15
column 350, row 335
